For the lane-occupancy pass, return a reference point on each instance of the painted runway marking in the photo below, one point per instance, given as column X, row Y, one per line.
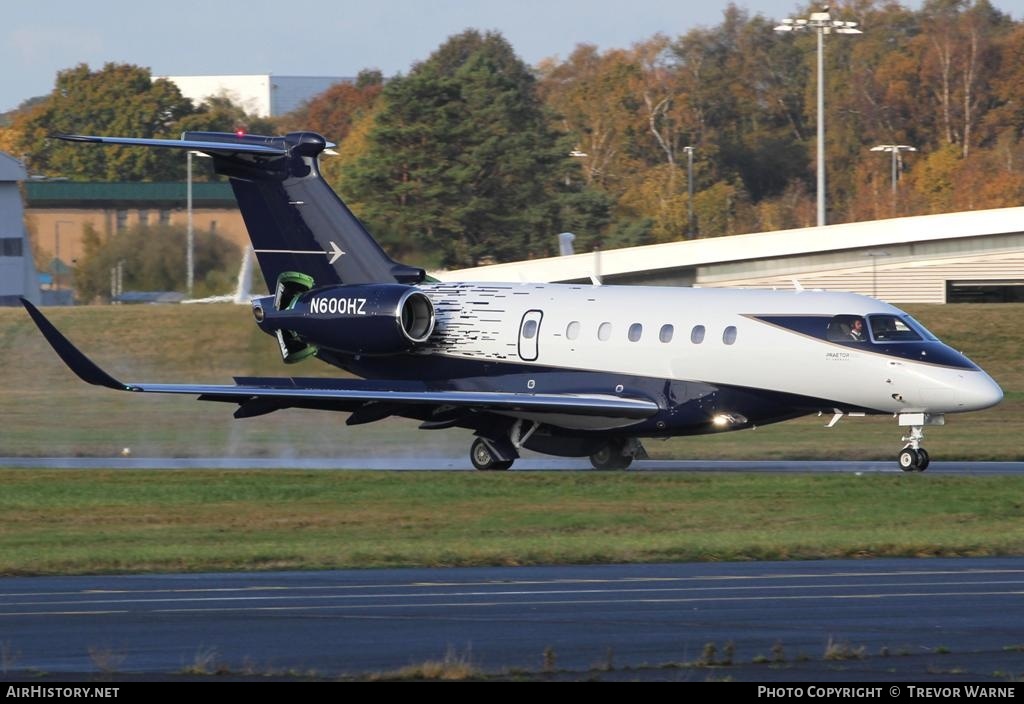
column 629, row 597
column 530, row 582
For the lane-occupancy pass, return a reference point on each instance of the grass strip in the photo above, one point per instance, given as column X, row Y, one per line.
column 81, row 522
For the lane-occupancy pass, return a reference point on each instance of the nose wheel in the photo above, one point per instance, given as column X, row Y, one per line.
column 913, row 457
column 914, row 460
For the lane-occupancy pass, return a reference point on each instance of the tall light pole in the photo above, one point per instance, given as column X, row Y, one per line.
column 190, row 251
column 689, row 189
column 823, row 24
column 895, row 149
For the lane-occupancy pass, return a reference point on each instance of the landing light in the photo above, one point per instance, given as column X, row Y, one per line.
column 723, row 420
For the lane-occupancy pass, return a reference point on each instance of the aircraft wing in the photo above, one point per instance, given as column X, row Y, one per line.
column 367, row 400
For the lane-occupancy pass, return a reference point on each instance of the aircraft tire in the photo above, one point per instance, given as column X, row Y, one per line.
column 909, row 459
column 610, row 457
column 922, row 459
column 484, row 460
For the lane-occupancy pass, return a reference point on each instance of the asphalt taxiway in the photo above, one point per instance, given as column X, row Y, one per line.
column 891, row 619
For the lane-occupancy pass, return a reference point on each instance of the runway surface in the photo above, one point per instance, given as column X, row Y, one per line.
column 927, row 619
column 462, row 464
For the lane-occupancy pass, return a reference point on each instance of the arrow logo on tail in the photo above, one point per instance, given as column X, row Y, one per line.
column 335, row 253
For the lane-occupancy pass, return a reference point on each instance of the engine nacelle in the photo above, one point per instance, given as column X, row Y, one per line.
column 372, row 319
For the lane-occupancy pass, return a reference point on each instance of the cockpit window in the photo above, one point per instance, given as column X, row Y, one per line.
column 890, row 328
column 847, row 328
column 921, row 329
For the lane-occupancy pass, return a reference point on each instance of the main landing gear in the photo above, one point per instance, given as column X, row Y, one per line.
column 913, row 457
column 618, row 454
column 485, row 457
column 495, row 451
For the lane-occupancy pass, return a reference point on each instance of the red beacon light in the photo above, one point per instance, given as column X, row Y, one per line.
column 239, row 133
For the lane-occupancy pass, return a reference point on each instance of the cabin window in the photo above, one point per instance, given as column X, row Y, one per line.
column 847, row 328
column 604, row 332
column 729, row 335
column 573, row 331
column 529, row 329
column 890, row 328
column 697, row 334
column 665, row 335
column 636, row 331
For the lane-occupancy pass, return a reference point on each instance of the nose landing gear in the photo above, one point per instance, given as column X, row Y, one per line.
column 913, row 457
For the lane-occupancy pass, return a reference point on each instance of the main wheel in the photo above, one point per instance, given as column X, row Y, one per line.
column 610, row 457
column 483, row 458
column 909, row 460
column 922, row 459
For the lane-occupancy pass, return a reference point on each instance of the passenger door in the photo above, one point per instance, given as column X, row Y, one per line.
column 529, row 333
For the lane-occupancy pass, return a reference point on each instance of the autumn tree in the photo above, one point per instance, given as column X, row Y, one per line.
column 118, row 99
column 217, row 113
column 333, row 112
column 462, row 158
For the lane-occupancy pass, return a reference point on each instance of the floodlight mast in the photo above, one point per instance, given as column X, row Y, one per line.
column 823, row 24
column 895, row 149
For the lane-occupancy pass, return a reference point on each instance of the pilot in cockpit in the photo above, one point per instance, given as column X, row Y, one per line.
column 857, row 330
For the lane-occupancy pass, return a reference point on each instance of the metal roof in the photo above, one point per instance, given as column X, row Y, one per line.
column 762, row 245
column 40, row 193
column 10, row 168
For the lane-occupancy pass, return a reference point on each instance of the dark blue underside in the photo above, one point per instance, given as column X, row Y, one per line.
column 688, row 407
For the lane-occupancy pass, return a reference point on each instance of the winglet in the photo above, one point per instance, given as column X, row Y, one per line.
column 81, row 365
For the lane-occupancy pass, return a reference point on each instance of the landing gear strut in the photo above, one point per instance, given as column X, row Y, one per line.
column 913, row 457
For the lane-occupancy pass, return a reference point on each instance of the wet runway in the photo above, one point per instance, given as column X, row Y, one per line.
column 906, row 619
column 529, row 464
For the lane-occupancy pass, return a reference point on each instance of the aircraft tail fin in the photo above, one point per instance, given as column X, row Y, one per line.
column 295, row 221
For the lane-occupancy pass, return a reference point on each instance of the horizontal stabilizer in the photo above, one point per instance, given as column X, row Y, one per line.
column 207, row 147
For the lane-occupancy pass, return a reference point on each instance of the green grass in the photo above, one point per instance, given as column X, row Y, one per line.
column 71, row 522
column 47, row 411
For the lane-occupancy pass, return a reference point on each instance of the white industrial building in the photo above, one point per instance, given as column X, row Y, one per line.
column 263, row 95
column 17, row 270
column 967, row 256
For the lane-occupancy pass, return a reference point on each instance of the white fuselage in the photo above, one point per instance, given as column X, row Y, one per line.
column 716, row 338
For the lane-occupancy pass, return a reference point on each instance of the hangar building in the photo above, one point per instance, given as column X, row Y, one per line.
column 975, row 256
column 17, row 270
column 263, row 95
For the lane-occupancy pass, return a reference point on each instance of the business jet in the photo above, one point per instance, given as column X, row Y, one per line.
column 561, row 369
